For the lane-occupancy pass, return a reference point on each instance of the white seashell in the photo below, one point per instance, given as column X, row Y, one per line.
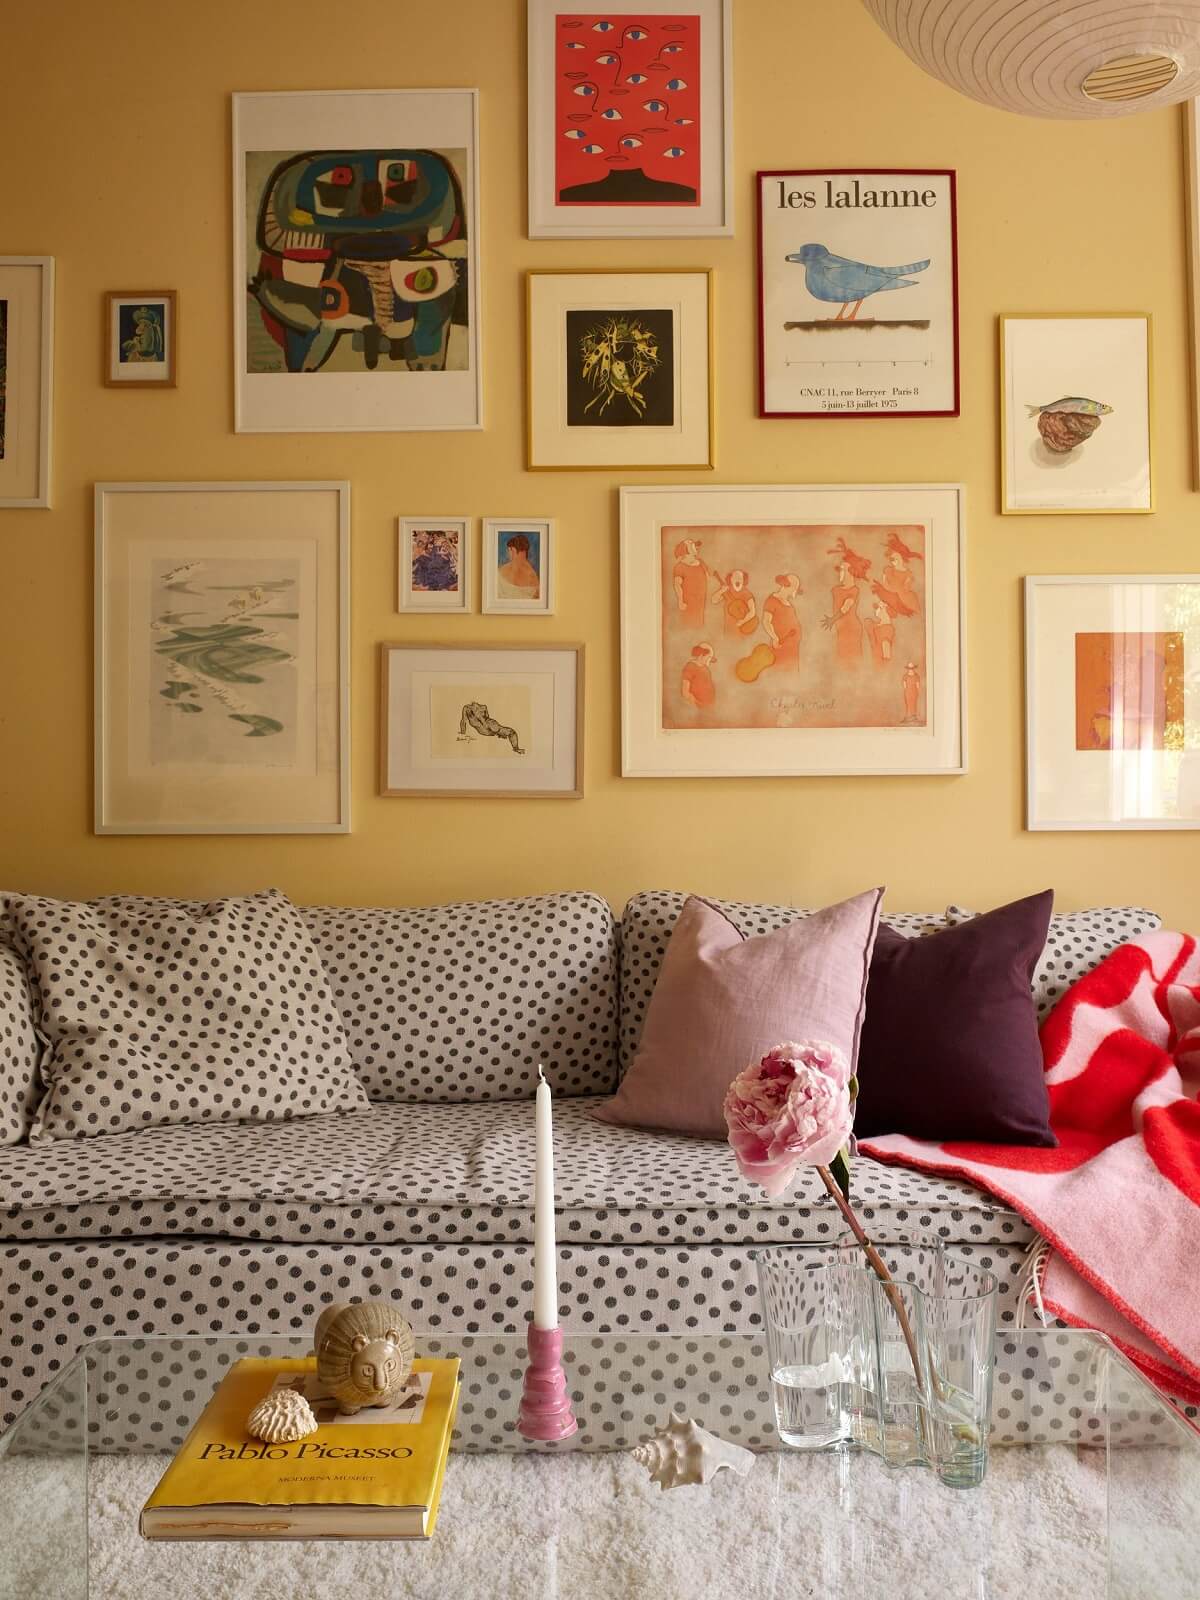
column 684, row 1452
column 281, row 1417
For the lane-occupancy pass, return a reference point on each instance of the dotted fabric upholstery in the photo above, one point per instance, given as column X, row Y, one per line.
column 157, row 1013
column 646, row 928
column 20, row 1048
column 460, row 1002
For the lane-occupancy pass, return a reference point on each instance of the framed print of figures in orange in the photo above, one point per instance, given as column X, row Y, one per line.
column 777, row 631
column 1112, row 716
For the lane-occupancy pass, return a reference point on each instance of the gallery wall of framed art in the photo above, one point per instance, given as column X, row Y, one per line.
column 350, row 246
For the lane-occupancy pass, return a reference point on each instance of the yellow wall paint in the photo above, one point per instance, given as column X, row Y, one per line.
column 119, row 114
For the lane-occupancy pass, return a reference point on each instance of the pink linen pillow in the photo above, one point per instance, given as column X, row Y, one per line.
column 722, row 1001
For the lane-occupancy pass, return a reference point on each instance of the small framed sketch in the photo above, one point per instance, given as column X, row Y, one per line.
column 791, row 631
column 519, row 565
column 222, row 658
column 1075, row 413
column 630, row 120
column 434, row 562
column 498, row 720
column 620, row 370
column 141, row 339
column 355, row 261
column 1113, row 702
column 858, row 294
column 26, row 378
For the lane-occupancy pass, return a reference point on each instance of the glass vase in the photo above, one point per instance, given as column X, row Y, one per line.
column 903, row 1369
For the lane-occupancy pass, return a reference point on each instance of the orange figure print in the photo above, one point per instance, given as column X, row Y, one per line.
column 844, row 620
column 1129, row 691
column 697, row 688
column 910, row 688
column 881, row 631
column 780, row 622
column 898, row 587
column 741, row 612
column 690, row 577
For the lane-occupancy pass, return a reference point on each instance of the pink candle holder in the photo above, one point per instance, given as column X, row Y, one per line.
column 545, row 1404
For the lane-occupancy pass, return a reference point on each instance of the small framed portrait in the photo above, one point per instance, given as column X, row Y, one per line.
column 1112, row 720
column 434, row 562
column 503, row 720
column 619, row 369
column 1075, row 413
column 141, row 339
column 518, row 565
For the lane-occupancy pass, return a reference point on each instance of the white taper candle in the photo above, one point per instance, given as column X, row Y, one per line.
column 545, row 1255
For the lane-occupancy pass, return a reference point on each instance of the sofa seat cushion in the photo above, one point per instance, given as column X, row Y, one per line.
column 442, row 1174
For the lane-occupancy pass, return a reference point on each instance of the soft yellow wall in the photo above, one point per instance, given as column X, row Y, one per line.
column 116, row 120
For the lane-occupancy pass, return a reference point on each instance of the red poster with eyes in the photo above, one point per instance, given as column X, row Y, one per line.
column 627, row 109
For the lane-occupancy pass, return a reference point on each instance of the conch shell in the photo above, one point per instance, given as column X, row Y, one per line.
column 281, row 1417
column 684, row 1452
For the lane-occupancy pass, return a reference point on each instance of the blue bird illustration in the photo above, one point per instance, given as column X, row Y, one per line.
column 833, row 278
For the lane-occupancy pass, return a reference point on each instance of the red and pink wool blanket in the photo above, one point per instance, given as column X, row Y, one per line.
column 1119, row 1200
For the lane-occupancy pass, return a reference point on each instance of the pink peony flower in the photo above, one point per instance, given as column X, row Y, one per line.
column 790, row 1109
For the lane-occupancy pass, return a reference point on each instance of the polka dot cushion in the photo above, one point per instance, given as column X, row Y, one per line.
column 1077, row 942
column 461, row 1002
column 157, row 1013
column 20, row 1086
column 646, row 927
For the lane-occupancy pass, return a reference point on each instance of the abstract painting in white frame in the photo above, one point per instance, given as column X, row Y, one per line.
column 792, row 630
column 355, row 261
column 26, row 379
column 519, row 564
column 630, row 120
column 434, row 559
column 1112, row 719
column 222, row 658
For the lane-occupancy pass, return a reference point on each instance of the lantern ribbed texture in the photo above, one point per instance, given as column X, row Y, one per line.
column 1033, row 56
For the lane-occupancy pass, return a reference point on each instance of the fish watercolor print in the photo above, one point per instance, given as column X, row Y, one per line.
column 224, row 636
column 1075, row 413
column 858, row 311
column 627, row 109
column 784, row 627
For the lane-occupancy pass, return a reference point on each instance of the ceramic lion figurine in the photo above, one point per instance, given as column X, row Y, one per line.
column 364, row 1354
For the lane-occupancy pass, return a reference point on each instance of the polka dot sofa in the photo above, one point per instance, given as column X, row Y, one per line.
column 248, row 1228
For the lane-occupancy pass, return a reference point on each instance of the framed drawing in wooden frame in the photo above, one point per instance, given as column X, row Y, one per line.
column 141, row 339
column 630, row 120
column 858, row 293
column 497, row 720
column 26, row 379
column 1112, row 718
column 792, row 631
column 222, row 692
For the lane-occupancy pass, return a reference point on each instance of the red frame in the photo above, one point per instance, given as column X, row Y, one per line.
column 882, row 172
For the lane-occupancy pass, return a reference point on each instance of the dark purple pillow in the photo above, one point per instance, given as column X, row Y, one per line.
column 950, row 1044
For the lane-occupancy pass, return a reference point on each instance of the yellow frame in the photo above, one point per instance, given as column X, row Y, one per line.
column 1075, row 511
column 618, row 466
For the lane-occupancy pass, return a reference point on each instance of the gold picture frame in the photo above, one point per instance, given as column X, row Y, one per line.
column 1038, row 475
column 141, row 339
column 422, row 722
column 650, row 426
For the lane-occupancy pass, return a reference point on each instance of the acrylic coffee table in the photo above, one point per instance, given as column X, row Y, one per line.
column 1091, row 1492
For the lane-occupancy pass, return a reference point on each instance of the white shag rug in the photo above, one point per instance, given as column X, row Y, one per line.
column 591, row 1527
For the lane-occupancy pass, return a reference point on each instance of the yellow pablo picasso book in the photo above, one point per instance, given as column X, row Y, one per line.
column 376, row 1475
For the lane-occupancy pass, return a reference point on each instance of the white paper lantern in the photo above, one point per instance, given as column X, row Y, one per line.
column 1053, row 58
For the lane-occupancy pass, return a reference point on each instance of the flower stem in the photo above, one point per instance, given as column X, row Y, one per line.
column 880, row 1270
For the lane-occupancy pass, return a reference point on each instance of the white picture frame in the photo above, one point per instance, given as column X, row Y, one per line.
column 501, row 588
column 1098, row 369
column 708, row 168
column 277, row 140
column 411, row 594
column 619, row 369
column 169, row 688
column 27, row 408
column 1191, row 148
column 1112, row 702
column 911, row 718
column 503, row 721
